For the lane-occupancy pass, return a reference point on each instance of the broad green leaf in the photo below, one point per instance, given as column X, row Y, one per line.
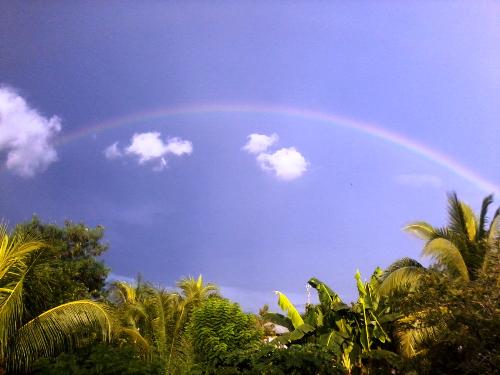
column 292, row 313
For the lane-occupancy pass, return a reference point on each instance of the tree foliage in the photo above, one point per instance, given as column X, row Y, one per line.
column 218, row 329
column 65, row 326
column 68, row 268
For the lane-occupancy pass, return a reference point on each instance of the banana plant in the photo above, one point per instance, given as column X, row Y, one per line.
column 293, row 321
column 350, row 332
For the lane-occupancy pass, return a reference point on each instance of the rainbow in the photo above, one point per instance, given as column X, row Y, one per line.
column 366, row 128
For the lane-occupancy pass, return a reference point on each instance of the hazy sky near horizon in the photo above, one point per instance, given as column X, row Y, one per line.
column 256, row 200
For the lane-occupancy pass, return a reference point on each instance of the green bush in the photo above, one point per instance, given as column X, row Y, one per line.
column 219, row 329
column 100, row 359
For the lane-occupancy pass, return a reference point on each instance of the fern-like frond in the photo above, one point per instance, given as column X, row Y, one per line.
column 66, row 326
column 447, row 254
column 292, row 313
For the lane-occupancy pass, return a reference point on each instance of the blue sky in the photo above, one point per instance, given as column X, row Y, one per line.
column 181, row 195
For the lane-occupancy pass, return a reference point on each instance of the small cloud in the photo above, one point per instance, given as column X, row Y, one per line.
column 150, row 147
column 113, row 152
column 146, row 146
column 419, row 180
column 179, row 147
column 286, row 163
column 258, row 143
column 161, row 165
column 25, row 135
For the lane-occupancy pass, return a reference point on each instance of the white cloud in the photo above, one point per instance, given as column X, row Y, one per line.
column 113, row 152
column 258, row 143
column 150, row 147
column 419, row 180
column 146, row 146
column 25, row 135
column 179, row 147
column 286, row 163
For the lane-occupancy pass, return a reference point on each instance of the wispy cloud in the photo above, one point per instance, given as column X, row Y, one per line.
column 419, row 180
column 113, row 152
column 25, row 135
column 150, row 147
column 285, row 163
column 258, row 143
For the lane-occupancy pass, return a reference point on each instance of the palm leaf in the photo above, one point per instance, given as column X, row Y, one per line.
column 412, row 332
column 405, row 273
column 66, row 326
column 482, row 216
column 406, row 278
column 471, row 224
column 133, row 336
column 447, row 254
column 494, row 231
column 11, row 311
column 292, row 313
column 463, row 222
column 422, row 230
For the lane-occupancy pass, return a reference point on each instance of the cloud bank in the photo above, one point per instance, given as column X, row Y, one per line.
column 286, row 163
column 25, row 136
column 150, row 147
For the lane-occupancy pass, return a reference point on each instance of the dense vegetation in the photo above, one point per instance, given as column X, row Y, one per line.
column 59, row 316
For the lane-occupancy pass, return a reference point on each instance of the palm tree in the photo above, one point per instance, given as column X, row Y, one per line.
column 156, row 319
column 193, row 293
column 462, row 249
column 63, row 327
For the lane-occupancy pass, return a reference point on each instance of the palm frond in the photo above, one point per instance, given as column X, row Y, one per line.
column 15, row 262
column 158, row 322
column 134, row 336
column 422, row 230
column 292, row 313
column 494, row 231
column 400, row 263
column 447, row 254
column 471, row 223
column 482, row 216
column 11, row 311
column 412, row 331
column 66, row 326
column 411, row 338
column 462, row 219
column 404, row 275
